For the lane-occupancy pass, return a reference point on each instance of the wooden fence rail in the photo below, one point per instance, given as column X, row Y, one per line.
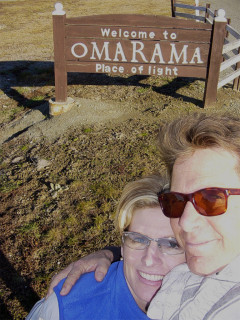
column 231, row 48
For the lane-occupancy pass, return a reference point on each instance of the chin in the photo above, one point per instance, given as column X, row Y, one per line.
column 149, row 293
column 200, row 266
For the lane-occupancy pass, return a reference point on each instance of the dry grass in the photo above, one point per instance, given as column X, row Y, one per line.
column 53, row 216
column 26, row 25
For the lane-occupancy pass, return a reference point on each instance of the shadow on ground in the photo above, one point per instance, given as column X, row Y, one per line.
column 18, row 286
column 21, row 74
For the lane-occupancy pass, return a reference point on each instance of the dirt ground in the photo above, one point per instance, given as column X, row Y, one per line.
column 61, row 177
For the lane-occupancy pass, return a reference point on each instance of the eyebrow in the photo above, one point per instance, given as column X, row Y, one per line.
column 171, row 236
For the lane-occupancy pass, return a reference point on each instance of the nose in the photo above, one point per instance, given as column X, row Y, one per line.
column 152, row 255
column 190, row 218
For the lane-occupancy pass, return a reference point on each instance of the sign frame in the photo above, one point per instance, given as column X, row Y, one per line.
column 137, row 44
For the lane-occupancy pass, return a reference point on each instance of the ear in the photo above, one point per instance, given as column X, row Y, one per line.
column 122, row 251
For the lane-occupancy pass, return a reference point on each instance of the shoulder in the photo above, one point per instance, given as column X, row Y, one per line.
column 45, row 309
column 180, row 272
column 90, row 298
column 87, row 285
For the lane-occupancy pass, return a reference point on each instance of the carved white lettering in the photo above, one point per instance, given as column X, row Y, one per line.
column 152, row 35
column 143, row 35
column 157, row 53
column 173, row 36
column 119, row 51
column 133, row 34
column 165, row 34
column 139, row 51
column 98, row 53
column 107, row 32
column 175, row 56
column 197, row 56
column 167, row 71
column 101, row 67
column 136, row 52
column 84, row 47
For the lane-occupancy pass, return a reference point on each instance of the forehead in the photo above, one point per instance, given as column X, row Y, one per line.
column 205, row 168
column 151, row 222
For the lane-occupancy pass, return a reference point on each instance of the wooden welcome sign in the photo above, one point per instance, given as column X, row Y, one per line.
column 137, row 44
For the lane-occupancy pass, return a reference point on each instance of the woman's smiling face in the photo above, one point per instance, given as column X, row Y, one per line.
column 145, row 269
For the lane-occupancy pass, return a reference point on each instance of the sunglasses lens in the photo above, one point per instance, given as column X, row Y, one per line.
column 172, row 204
column 210, row 202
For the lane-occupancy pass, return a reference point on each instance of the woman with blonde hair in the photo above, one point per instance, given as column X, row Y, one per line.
column 149, row 251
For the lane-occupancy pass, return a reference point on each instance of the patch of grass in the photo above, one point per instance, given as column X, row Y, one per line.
column 87, row 130
column 143, row 90
column 99, row 221
column 39, row 98
column 104, row 190
column 9, row 186
column 24, row 147
column 32, row 228
column 86, row 205
column 72, row 220
column 73, row 240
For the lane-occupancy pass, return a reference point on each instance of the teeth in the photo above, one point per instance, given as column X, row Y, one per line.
column 151, row 277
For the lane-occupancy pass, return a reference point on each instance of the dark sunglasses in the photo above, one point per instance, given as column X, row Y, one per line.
column 208, row 202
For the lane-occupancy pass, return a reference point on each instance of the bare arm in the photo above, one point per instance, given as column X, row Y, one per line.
column 99, row 262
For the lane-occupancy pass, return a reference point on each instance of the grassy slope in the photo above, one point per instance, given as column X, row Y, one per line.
column 52, row 216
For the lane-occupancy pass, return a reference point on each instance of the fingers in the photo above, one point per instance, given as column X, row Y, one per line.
column 72, row 277
column 101, row 269
column 57, row 278
column 99, row 262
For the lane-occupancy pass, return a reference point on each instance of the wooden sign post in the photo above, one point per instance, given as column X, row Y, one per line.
column 215, row 57
column 137, row 44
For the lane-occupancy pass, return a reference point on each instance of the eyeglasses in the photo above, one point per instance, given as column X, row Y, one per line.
column 207, row 202
column 138, row 241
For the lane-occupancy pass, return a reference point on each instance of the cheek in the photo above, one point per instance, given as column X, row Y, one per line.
column 227, row 226
column 173, row 261
column 130, row 258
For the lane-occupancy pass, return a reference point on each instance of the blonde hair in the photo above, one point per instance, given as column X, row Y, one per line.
column 183, row 136
column 138, row 194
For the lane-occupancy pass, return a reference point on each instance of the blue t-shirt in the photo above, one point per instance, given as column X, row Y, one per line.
column 92, row 300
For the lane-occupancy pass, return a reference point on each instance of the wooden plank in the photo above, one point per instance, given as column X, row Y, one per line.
column 227, row 32
column 59, row 58
column 125, row 51
column 173, row 9
column 232, row 31
column 143, row 69
column 234, row 51
column 144, row 33
column 236, row 82
column 190, row 16
column 228, row 79
column 206, row 11
column 228, row 63
column 231, row 46
column 210, row 93
column 210, row 12
column 208, row 21
column 137, row 21
column 187, row 6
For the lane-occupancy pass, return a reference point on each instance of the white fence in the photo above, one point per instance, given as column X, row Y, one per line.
column 230, row 67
